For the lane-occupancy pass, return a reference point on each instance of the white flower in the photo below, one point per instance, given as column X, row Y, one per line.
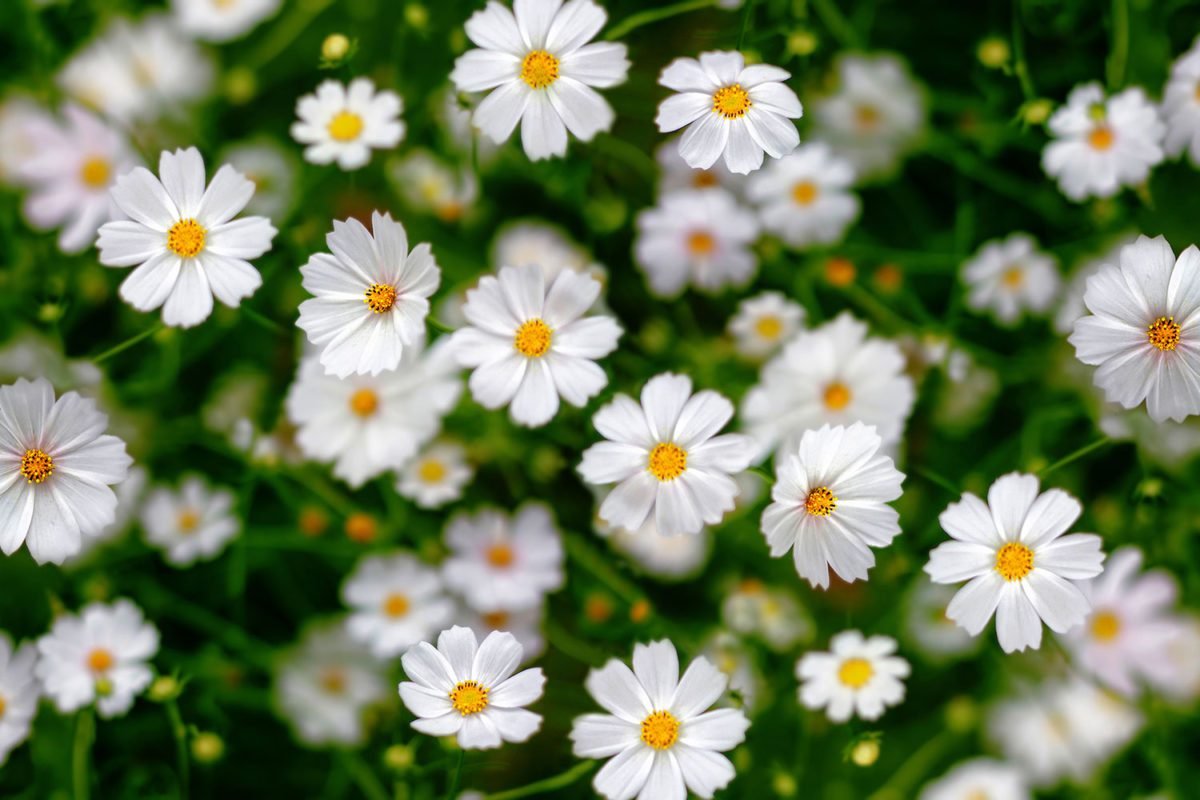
column 56, row 467
column 830, row 503
column 858, row 677
column 676, row 175
column 659, row 736
column 19, row 693
column 698, row 237
column 183, row 238
column 1183, row 653
column 436, row 476
column 367, row 424
column 325, row 684
column 529, row 343
column 548, row 246
column 20, row 120
column 465, row 689
column 129, row 497
column 538, row 68
column 1102, row 144
column 498, row 563
column 395, row 602
column 752, row 608
column 271, row 169
column 730, row 655
column 805, row 198
column 1071, row 307
column 665, row 557
column 461, row 136
column 730, row 110
column 191, row 524
column 927, row 626
column 1181, row 106
column 427, row 184
column 665, row 457
column 1019, row 564
column 833, row 374
column 221, row 20
column 1143, row 331
column 1009, row 277
column 525, row 625
column 764, row 323
column 978, row 779
column 343, row 123
column 98, row 656
column 371, row 296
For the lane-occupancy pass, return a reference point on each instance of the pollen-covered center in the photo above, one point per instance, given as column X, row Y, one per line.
column 703, row 179
column 539, row 69
column 186, row 238
column 667, row 461
column 496, row 620
column 3, row 707
column 432, row 471
column 533, row 338
column 364, row 402
column 500, row 555
column 768, row 327
column 333, row 680
column 95, row 172
column 469, row 697
column 1013, row 277
column 805, row 193
column 731, row 101
column 36, row 466
column 837, row 396
column 100, row 660
column 188, row 520
column 380, row 297
column 1014, row 561
column 1101, row 138
column 1163, row 333
column 660, row 730
column 395, row 605
column 1105, row 626
column 345, row 126
column 866, row 117
column 820, row 502
column 701, row 243
column 855, row 672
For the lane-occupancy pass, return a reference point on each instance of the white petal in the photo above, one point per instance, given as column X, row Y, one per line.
column 1017, row 623
column 497, row 658
column 602, row 735
column 623, row 777
column 720, row 729
column 618, row 691
column 656, row 666
column 543, row 133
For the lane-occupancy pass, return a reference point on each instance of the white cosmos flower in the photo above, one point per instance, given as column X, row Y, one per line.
column 833, row 374
column 428, row 184
column 698, row 237
column 548, row 246
column 503, row 563
column 20, row 120
column 676, row 175
column 830, row 503
column 1181, row 106
column 525, row 625
column 659, row 735
column 19, row 693
column 1071, row 307
column 927, row 626
column 858, row 677
column 183, row 238
column 1183, row 653
column 978, row 779
column 805, row 198
column 271, row 169
column 97, row 656
column 395, row 601
column 754, row 609
column 371, row 296
column 344, row 123
column 665, row 457
column 764, row 323
column 1102, row 143
column 469, row 690
column 1009, row 277
column 1143, row 330
column 56, row 467
column 129, row 499
column 528, row 343
column 668, row 558
column 539, row 66
column 221, row 20
column 436, row 476
column 1018, row 564
column 192, row 523
column 730, row 110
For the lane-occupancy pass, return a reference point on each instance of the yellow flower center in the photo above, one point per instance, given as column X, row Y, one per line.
column 1014, row 561
column 805, row 192
column 703, row 179
column 188, row 520
column 186, row 238
column 364, row 402
column 1013, row 277
column 837, row 396
column 99, row 660
column 667, row 461
column 333, row 680
column 500, row 555
column 36, row 466
column 1101, row 138
column 2, row 706
column 1105, row 626
column 731, row 101
column 432, row 471
column 660, row 730
column 701, row 243
column 532, row 339
column 495, row 620
column 380, row 297
column 866, row 117
column 469, row 697
column 855, row 672
column 820, row 502
column 769, row 327
column 395, row 606
column 539, row 69
column 95, row 172
column 345, row 126
column 1163, row 333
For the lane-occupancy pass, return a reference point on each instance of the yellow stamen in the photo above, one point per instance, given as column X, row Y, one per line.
column 667, row 461
column 495, row 620
column 855, row 672
column 1163, row 333
column 36, row 466
column 469, row 697
column 100, row 660
column 703, row 179
column 1105, row 626
column 731, row 102
column 95, row 173
column 500, row 555
column 539, row 69
column 837, row 396
column 768, row 327
column 395, row 606
column 866, row 117
column 380, row 297
column 345, row 126
column 660, row 730
column 820, row 502
column 188, row 520
column 364, row 402
column 333, row 680
column 1013, row 277
column 533, row 338
column 805, row 193
column 186, row 238
column 701, row 243
column 1014, row 561
column 432, row 471
column 1101, row 138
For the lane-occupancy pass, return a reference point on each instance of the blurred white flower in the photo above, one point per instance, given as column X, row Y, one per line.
column 978, row 779
column 221, row 20
column 436, row 476
column 1181, row 106
column 19, row 693
column 664, row 557
column 805, row 198
column 344, row 123
column 1009, row 277
column 771, row 613
column 20, row 120
column 764, row 323
column 677, row 175
column 929, row 629
column 525, row 625
column 462, row 136
column 730, row 655
column 1183, row 654
column 129, row 500
column 536, row 242
column 428, row 184
column 271, row 169
column 192, row 523
column 1071, row 307
column 858, row 677
column 395, row 601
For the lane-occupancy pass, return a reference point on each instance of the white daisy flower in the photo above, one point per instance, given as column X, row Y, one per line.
column 659, row 735
column 97, row 656
column 670, row 558
column 676, row 175
column 428, row 184
column 1102, row 143
column 858, row 677
column 19, row 693
column 1183, row 654
column 129, row 500
column 541, row 69
column 771, row 613
column 1009, row 277
column 461, row 136
column 271, row 169
column 1019, row 564
column 830, row 504
column 1181, row 106
column 730, row 110
column 805, row 198
column 1143, row 330
column 395, row 601
column 437, row 475
column 764, row 323
column 1071, row 307
column 498, row 563
column 529, row 344
column 833, row 374
column 221, row 20
column 371, row 296
column 698, row 237
column 344, row 123
column 192, row 523
column 469, row 690
column 20, row 120
column 56, row 467
column 927, row 627
column 182, row 236
column 665, row 457
column 978, row 779
column 525, row 625
column 548, row 246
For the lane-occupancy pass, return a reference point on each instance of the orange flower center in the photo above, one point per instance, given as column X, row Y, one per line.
column 186, row 238
column 395, row 605
column 660, row 730
column 95, row 173
column 36, row 466
column 380, row 297
column 533, row 338
column 539, row 69
column 837, row 396
column 805, row 193
column 731, row 102
column 100, row 660
column 1105, row 626
column 1014, row 561
column 667, row 461
column 500, row 555
column 820, row 502
column 469, row 697
column 345, row 126
column 855, row 672
column 1101, row 138
column 1163, row 333
column 364, row 402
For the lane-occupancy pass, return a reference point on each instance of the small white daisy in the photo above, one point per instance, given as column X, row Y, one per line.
column 764, row 323
column 665, row 457
column 430, row 185
column 978, row 779
column 502, row 563
column 529, row 344
column 19, row 693
column 730, row 109
column 436, row 476
column 221, row 20
column 395, row 601
column 668, row 558
column 1018, row 564
column 271, row 169
column 370, row 297
column 773, row 614
column 469, row 690
column 20, row 120
column 541, row 69
column 1102, row 143
column 1009, row 277
column 1181, row 106
column 191, row 524
column 525, row 625
column 805, row 198
column 858, row 677
column 344, row 123
column 659, row 735
column 676, row 175
column 182, row 236
column 1183, row 685
column 1143, row 329
column 98, row 656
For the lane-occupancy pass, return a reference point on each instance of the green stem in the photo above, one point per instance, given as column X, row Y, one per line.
column 910, row 773
column 1075, row 456
column 1020, row 66
column 85, row 733
column 836, row 23
column 438, row 325
column 937, row 480
column 634, row 21
column 179, row 732
column 762, row 473
column 286, row 32
column 560, row 781
column 747, row 15
column 581, row 553
column 456, row 775
column 367, row 781
column 263, row 321
column 128, row 343
column 1120, row 45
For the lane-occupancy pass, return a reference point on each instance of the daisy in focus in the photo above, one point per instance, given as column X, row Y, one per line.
column 437, row 476
column 665, row 457
column 730, row 110
column 659, row 736
column 503, row 563
column 1018, row 564
column 858, row 677
column 343, row 123
column 19, row 693
column 805, row 198
column 221, row 20
column 978, row 779
column 764, row 323
column 1009, row 277
column 1181, row 107
column 183, row 238
column 191, row 524
column 541, row 70
column 395, row 601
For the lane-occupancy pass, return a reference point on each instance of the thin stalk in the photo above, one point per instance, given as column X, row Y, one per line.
column 909, row 774
column 364, row 778
column 128, row 343
column 747, row 16
column 652, row 15
column 85, row 734
column 1076, row 455
column 836, row 23
column 581, row 553
column 1020, row 65
column 1119, row 56
column 179, row 732
column 456, row 775
column 262, row 320
column 937, row 480
column 560, row 781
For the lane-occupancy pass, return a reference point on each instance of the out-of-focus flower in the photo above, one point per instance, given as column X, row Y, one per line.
column 436, row 476
column 456, row 120
column 191, row 524
column 536, row 242
column 664, row 557
column 925, row 621
column 19, row 693
column 20, row 119
column 221, row 20
column 677, row 175
column 978, row 779
column 1183, row 653
column 344, row 123
column 753, row 609
column 805, row 198
column 525, row 625
column 1071, row 307
column 272, row 170
column 395, row 601
column 427, row 184
column 730, row 655
column 1009, row 277
column 858, row 677
column 764, row 323
column 129, row 500
column 1181, row 107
